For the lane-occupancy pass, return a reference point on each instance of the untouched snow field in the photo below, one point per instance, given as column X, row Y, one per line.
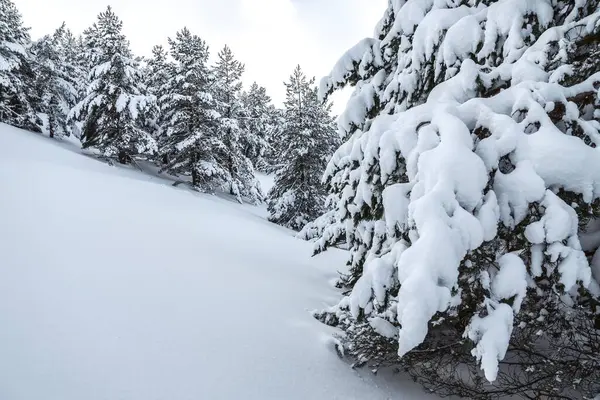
column 116, row 286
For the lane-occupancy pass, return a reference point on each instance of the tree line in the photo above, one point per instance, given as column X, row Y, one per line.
column 190, row 117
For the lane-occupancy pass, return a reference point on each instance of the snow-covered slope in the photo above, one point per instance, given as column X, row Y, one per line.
column 114, row 285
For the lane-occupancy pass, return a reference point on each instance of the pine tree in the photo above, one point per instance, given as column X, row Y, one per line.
column 157, row 74
column 17, row 93
column 56, row 80
column 467, row 191
column 227, row 93
column 111, row 111
column 158, row 70
column 258, row 125
column 77, row 66
column 190, row 143
column 78, row 56
column 298, row 196
column 275, row 140
column 76, row 62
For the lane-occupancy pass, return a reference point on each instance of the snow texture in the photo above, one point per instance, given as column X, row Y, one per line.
column 106, row 305
column 491, row 333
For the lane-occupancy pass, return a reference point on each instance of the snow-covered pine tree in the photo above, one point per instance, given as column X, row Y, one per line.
column 468, row 192
column 55, row 80
column 77, row 66
column 74, row 58
column 190, row 141
column 73, row 50
column 276, row 139
column 78, row 55
column 17, row 93
column 298, row 196
column 257, row 125
column 111, row 110
column 227, row 90
column 158, row 70
column 157, row 73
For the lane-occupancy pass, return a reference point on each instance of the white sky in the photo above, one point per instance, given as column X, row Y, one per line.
column 270, row 36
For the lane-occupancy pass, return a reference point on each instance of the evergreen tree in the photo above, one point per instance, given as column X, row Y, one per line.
column 467, row 191
column 17, row 93
column 56, row 80
column 275, row 140
column 158, row 69
column 189, row 143
column 258, row 125
column 298, row 196
column 111, row 110
column 157, row 74
column 74, row 62
column 227, row 92
column 77, row 66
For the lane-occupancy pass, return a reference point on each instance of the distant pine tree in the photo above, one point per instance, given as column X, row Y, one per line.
column 258, row 125
column 157, row 74
column 227, row 90
column 76, row 67
column 298, row 196
column 17, row 92
column 158, row 70
column 56, row 80
column 111, row 110
column 275, row 140
column 78, row 56
column 189, row 141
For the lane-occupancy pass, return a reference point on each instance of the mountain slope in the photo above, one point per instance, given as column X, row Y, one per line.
column 114, row 285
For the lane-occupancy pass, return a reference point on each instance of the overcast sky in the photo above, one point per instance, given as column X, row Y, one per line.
column 270, row 36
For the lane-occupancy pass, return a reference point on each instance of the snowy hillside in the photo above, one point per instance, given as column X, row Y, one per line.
column 114, row 285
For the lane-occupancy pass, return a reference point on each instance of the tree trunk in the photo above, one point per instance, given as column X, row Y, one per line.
column 124, row 157
column 195, row 175
column 51, row 126
column 195, row 178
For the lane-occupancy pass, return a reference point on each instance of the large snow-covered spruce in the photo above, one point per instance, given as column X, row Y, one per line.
column 17, row 93
column 112, row 109
column 467, row 190
column 308, row 140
